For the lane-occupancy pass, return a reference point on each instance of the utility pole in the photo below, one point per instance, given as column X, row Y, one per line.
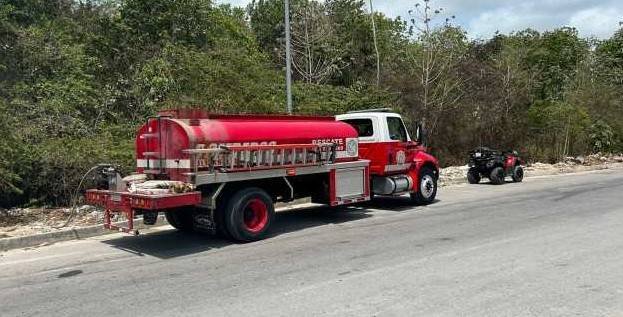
column 288, row 58
column 376, row 47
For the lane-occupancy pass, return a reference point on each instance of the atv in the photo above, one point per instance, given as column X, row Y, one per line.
column 494, row 165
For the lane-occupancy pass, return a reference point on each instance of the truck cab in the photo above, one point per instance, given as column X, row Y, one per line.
column 398, row 163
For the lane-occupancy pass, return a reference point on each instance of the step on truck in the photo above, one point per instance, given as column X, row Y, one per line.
column 224, row 173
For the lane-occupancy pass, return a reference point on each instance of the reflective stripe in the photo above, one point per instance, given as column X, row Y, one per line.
column 167, row 163
column 397, row 167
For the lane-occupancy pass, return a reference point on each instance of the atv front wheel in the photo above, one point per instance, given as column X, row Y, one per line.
column 473, row 176
column 497, row 176
column 517, row 174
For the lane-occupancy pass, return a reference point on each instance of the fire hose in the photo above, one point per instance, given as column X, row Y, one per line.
column 105, row 169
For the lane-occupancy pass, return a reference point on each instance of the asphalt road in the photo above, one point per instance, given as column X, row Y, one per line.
column 551, row 246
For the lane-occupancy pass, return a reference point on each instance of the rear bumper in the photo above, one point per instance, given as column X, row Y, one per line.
column 129, row 204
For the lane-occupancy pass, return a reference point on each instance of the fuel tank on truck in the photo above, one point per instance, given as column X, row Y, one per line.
column 161, row 142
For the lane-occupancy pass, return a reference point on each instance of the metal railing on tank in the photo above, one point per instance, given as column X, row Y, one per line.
column 227, row 159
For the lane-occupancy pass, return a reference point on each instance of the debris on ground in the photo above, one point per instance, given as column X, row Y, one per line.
column 28, row 221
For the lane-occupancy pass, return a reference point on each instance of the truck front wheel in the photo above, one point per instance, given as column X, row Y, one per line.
column 249, row 214
column 427, row 187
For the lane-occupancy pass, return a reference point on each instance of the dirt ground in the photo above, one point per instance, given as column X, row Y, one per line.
column 27, row 221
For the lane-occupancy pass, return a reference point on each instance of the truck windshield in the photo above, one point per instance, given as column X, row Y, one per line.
column 363, row 126
column 396, row 129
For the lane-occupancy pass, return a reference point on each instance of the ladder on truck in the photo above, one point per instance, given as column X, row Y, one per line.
column 227, row 159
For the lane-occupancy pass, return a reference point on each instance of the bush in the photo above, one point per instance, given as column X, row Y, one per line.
column 51, row 171
column 557, row 129
column 9, row 152
column 601, row 137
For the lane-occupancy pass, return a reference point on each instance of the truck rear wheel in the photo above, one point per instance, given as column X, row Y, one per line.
column 180, row 219
column 249, row 214
column 427, row 187
column 221, row 222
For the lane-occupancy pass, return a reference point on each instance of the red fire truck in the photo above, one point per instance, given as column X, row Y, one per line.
column 223, row 173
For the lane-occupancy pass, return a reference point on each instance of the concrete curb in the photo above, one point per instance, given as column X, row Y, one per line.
column 99, row 230
column 66, row 235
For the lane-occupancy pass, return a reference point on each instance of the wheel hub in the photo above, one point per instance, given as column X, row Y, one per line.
column 255, row 215
column 427, row 186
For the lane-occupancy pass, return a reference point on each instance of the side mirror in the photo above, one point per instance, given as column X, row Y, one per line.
column 419, row 134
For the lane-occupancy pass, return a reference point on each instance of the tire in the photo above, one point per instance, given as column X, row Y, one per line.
column 473, row 176
column 180, row 219
column 497, row 176
column 249, row 214
column 518, row 174
column 427, row 187
column 220, row 220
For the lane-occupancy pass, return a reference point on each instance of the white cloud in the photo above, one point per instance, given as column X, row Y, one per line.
column 482, row 18
column 599, row 22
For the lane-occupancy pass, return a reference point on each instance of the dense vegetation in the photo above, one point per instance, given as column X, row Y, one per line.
column 78, row 77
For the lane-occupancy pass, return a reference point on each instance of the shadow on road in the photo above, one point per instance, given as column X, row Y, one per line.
column 489, row 183
column 167, row 244
column 172, row 243
column 398, row 204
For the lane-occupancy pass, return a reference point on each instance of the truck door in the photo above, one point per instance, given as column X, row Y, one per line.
column 398, row 156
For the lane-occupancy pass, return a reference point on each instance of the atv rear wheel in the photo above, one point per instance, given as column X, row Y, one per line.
column 497, row 176
column 517, row 174
column 473, row 176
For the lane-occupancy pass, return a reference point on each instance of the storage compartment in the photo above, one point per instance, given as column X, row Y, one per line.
column 350, row 183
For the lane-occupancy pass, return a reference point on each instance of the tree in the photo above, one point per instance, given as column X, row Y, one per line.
column 434, row 58
column 315, row 59
column 555, row 60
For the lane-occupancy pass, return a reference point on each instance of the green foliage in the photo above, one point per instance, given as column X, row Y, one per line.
column 52, row 170
column 554, row 58
column 331, row 100
column 601, row 136
column 266, row 20
column 610, row 57
column 223, row 80
column 9, row 153
column 561, row 127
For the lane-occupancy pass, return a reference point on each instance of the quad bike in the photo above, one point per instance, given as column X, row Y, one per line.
column 494, row 165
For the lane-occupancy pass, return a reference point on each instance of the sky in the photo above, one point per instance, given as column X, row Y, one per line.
column 482, row 18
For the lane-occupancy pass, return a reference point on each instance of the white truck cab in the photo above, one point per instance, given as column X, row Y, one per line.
column 377, row 125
